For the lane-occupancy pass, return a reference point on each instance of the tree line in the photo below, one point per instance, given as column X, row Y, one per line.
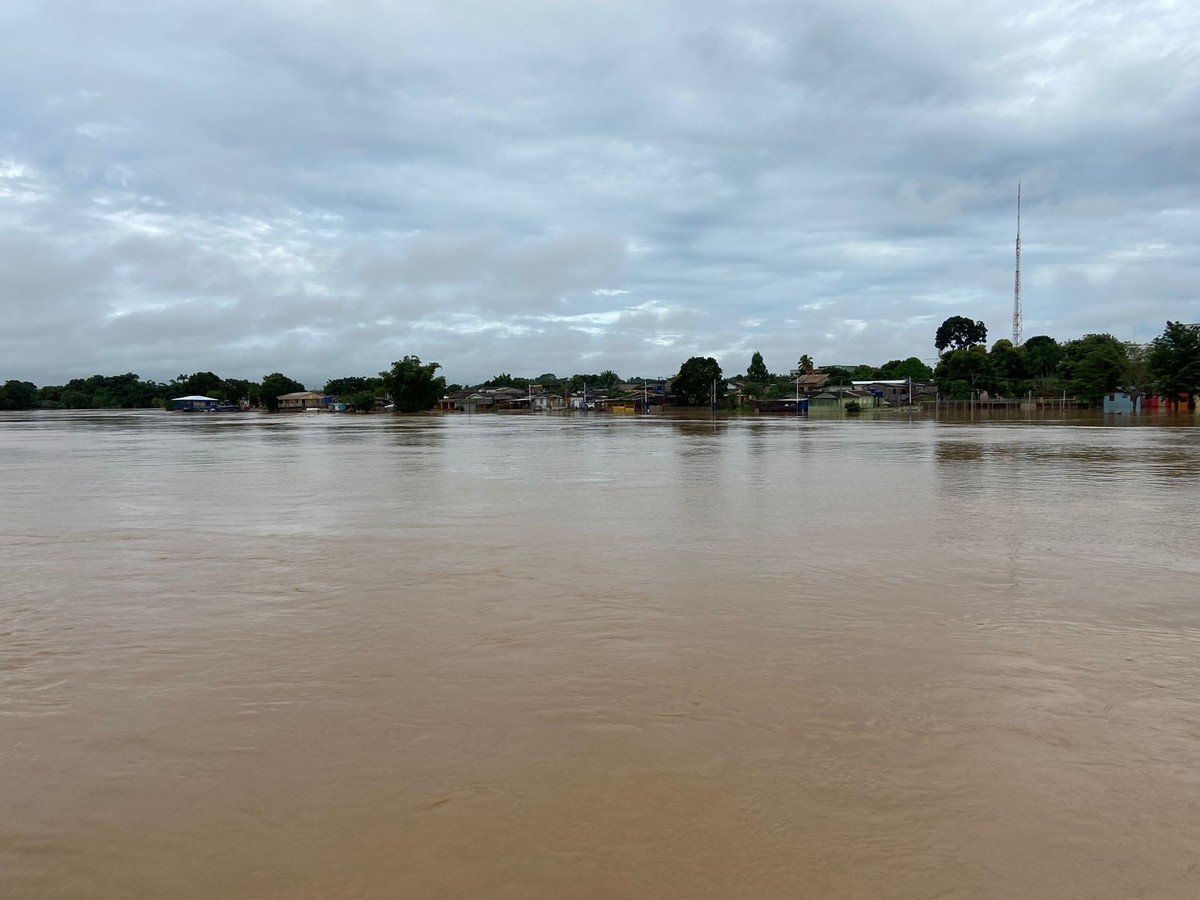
column 411, row 385
column 1085, row 368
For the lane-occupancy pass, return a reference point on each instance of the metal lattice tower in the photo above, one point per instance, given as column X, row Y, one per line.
column 1017, row 323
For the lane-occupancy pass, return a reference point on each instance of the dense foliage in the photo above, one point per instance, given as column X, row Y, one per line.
column 693, row 385
column 757, row 370
column 905, row 368
column 960, row 333
column 275, row 385
column 1092, row 366
column 1174, row 362
column 18, row 395
column 962, row 372
column 361, row 394
column 413, row 385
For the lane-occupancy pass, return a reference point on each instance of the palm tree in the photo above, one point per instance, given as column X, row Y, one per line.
column 805, row 365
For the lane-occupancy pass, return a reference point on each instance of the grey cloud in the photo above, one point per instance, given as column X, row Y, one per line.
column 321, row 188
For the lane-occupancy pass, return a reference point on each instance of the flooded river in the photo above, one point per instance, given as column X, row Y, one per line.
column 305, row 657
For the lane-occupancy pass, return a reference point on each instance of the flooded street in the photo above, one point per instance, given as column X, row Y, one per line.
column 246, row 656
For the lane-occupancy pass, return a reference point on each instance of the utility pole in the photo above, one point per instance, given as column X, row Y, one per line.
column 1017, row 323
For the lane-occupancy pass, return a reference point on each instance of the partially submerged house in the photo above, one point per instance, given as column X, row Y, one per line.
column 195, row 403
column 898, row 391
column 838, row 397
column 1121, row 403
column 303, row 400
column 781, row 406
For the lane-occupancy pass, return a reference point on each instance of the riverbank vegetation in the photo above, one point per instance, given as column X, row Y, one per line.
column 1084, row 368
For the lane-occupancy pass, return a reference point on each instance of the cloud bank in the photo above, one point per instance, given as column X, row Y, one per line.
column 320, row 188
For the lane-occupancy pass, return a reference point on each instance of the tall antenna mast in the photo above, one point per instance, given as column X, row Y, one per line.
column 1017, row 280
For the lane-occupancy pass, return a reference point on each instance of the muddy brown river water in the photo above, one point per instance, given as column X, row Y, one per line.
column 245, row 656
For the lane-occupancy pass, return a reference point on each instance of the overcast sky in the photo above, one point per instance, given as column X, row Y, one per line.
column 530, row 186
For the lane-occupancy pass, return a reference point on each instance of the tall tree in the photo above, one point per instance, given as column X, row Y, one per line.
column 960, row 333
column 1174, row 362
column 693, row 385
column 274, row 386
column 757, row 370
column 805, row 365
column 413, row 385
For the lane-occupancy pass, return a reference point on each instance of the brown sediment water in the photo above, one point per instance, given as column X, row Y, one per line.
column 248, row 656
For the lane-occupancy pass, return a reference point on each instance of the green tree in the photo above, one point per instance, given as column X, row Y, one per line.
column 839, row 374
column 962, row 372
column 1174, row 362
column 1092, row 366
column 1137, row 365
column 805, row 365
column 907, row 368
column 360, row 401
column 354, row 384
column 358, row 392
column 607, row 379
column 580, row 382
column 1008, row 367
column 693, row 385
column 234, row 390
column 1042, row 354
column 126, row 391
column 757, row 370
column 960, row 333
column 274, row 386
column 50, row 396
column 206, row 383
column 18, row 395
column 413, row 385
